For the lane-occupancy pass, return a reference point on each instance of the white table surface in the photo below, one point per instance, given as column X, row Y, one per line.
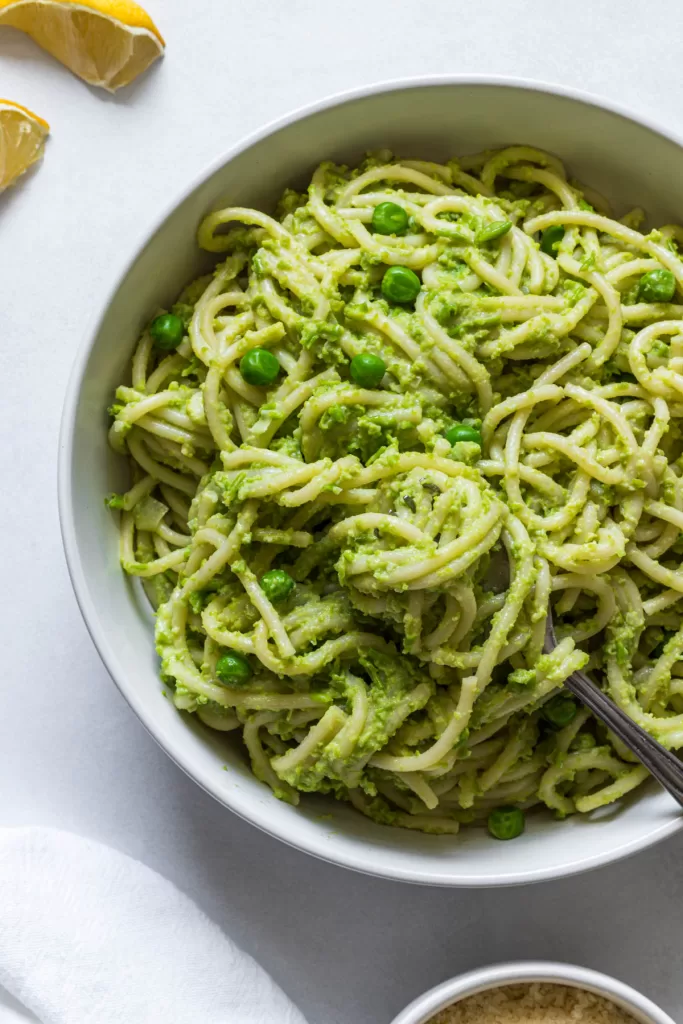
column 348, row 949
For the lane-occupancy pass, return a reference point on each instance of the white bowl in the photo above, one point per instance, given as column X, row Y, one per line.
column 422, row 1009
column 630, row 161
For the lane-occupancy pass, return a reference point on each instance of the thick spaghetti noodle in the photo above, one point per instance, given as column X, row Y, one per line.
column 395, row 657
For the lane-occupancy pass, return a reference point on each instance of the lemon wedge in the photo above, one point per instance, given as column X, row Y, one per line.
column 22, row 137
column 105, row 42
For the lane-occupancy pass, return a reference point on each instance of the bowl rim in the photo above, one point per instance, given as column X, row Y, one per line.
column 483, row 979
column 316, row 845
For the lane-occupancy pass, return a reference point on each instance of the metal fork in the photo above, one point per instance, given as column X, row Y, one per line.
column 661, row 763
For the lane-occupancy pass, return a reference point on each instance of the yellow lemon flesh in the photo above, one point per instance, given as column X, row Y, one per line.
column 22, row 137
column 105, row 42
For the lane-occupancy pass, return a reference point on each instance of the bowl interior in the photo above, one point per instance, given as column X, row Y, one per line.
column 486, row 979
column 630, row 163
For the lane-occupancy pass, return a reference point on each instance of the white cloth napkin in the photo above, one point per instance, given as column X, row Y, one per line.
column 89, row 936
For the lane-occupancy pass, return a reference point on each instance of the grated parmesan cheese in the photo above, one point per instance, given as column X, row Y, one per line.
column 537, row 1003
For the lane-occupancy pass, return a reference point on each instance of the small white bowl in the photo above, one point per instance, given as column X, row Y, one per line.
column 631, row 161
column 422, row 1009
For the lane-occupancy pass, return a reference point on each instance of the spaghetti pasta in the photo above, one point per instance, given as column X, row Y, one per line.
column 364, row 488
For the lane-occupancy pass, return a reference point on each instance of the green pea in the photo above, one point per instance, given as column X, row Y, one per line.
column 551, row 238
column 461, row 432
column 259, row 367
column 367, row 370
column 389, row 219
column 167, row 330
column 489, row 232
column 233, row 669
column 561, row 710
column 400, row 284
column 584, row 741
column 506, row 822
column 277, row 584
column 657, row 286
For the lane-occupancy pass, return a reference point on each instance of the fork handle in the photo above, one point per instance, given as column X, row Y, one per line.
column 659, row 761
